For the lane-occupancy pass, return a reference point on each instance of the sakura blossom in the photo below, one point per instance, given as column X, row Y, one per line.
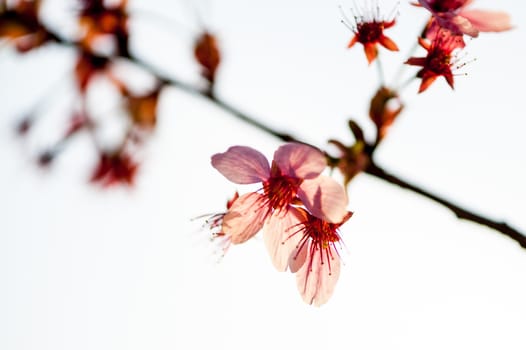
column 368, row 27
column 440, row 59
column 457, row 17
column 214, row 223
column 115, row 168
column 316, row 257
column 293, row 179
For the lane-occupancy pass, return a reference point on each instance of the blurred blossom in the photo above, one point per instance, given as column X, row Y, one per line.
column 368, row 27
column 115, row 168
column 455, row 16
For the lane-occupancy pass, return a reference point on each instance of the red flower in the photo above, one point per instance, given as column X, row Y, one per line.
column 439, row 61
column 114, row 168
column 369, row 31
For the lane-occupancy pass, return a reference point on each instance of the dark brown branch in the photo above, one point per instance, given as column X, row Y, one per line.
column 459, row 212
column 212, row 98
column 372, row 169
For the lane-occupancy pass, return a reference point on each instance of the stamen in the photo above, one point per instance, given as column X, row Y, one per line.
column 293, row 233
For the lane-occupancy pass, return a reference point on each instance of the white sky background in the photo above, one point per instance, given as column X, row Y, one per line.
column 82, row 268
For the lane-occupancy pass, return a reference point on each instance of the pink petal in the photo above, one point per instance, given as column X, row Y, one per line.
column 245, row 218
column 324, row 198
column 488, row 21
column 280, row 237
column 299, row 160
column 242, row 165
column 426, row 4
column 465, row 26
column 317, row 277
column 298, row 257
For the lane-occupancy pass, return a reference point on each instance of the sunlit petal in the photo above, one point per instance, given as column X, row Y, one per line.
column 324, row 198
column 242, row 165
column 245, row 218
column 280, row 238
column 317, row 277
column 299, row 160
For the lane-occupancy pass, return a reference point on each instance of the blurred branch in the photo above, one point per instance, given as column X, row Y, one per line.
column 209, row 95
column 204, row 93
column 372, row 168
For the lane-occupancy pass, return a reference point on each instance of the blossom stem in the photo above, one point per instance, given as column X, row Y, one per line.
column 381, row 75
column 406, row 83
column 412, row 50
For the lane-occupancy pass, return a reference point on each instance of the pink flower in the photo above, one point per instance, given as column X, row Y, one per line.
column 315, row 259
column 440, row 59
column 453, row 15
column 293, row 179
column 214, row 222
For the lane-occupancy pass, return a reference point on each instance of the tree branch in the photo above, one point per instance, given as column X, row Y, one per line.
column 459, row 212
column 372, row 169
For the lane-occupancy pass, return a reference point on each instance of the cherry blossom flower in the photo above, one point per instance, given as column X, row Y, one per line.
column 115, row 168
column 433, row 29
column 294, row 178
column 440, row 59
column 368, row 29
column 214, row 223
column 316, row 259
column 454, row 15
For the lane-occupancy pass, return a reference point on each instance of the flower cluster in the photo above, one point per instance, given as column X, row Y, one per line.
column 103, row 57
column 444, row 36
column 299, row 210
